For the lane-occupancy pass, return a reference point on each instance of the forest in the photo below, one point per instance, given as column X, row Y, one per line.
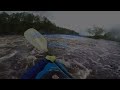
column 18, row 23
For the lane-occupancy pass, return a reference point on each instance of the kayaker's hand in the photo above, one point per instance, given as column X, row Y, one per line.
column 51, row 58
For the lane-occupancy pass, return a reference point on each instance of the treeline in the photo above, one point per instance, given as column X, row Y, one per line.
column 18, row 23
column 100, row 33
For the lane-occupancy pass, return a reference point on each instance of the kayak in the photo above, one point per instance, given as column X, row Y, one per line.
column 48, row 67
column 45, row 69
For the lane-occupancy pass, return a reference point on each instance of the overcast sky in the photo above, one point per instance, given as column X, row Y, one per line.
column 81, row 20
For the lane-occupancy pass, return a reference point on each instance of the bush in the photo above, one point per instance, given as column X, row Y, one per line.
column 113, row 34
column 96, row 32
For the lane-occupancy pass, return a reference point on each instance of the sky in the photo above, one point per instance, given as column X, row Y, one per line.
column 81, row 20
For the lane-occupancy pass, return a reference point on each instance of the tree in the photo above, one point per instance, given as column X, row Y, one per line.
column 18, row 23
column 96, row 31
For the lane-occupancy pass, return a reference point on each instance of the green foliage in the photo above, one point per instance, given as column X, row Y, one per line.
column 108, row 35
column 18, row 23
column 96, row 32
column 113, row 34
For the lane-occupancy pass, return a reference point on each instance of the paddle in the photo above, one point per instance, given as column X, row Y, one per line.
column 39, row 42
column 36, row 39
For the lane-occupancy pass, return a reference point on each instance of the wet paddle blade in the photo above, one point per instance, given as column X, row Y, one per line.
column 36, row 39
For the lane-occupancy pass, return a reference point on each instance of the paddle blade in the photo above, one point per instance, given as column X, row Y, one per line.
column 36, row 39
